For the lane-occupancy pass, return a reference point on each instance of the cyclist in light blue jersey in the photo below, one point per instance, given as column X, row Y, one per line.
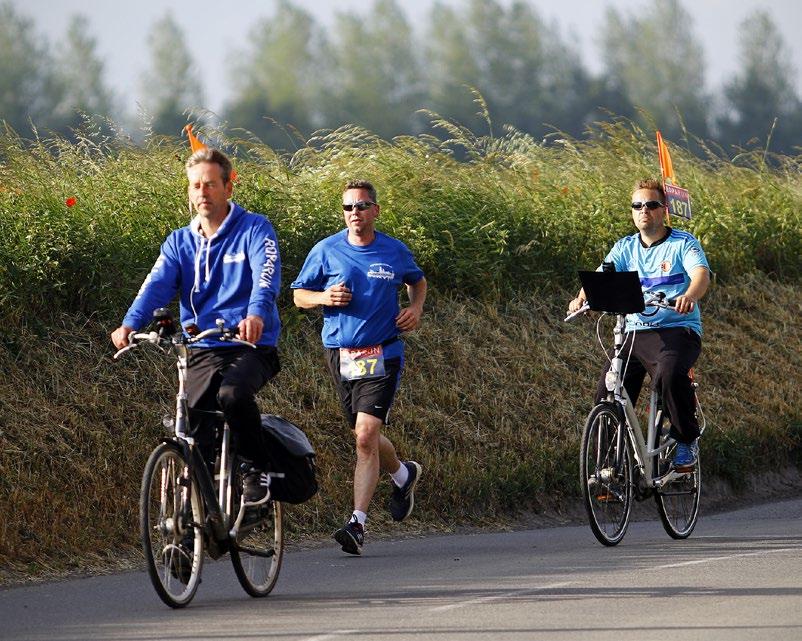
column 355, row 276
column 668, row 343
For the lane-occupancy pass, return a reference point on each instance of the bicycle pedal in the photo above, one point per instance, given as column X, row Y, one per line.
column 609, row 497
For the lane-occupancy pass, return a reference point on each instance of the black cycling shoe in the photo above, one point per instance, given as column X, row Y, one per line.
column 181, row 565
column 254, row 485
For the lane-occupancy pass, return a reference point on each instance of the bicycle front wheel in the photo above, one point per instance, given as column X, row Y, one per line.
column 170, row 515
column 678, row 501
column 605, row 472
column 258, row 551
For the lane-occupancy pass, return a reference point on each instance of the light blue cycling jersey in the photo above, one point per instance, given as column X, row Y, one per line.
column 664, row 267
column 373, row 273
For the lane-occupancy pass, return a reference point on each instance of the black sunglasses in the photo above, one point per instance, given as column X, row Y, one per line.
column 649, row 204
column 361, row 205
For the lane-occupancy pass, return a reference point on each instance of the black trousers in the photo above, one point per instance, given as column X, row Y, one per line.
column 668, row 355
column 227, row 379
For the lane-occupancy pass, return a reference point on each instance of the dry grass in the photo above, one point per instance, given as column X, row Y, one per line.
column 491, row 404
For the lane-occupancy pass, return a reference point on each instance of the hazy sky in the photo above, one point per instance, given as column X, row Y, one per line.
column 217, row 31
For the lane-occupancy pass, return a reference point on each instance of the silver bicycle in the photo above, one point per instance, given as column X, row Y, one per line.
column 184, row 511
column 618, row 463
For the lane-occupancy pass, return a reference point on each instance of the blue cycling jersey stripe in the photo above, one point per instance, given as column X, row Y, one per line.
column 673, row 279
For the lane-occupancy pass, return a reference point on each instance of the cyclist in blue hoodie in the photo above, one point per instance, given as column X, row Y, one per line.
column 224, row 264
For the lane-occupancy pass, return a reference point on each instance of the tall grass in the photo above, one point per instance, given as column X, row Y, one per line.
column 496, row 386
column 508, row 213
column 491, row 403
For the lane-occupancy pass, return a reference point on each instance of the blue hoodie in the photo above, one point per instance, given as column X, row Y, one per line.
column 235, row 273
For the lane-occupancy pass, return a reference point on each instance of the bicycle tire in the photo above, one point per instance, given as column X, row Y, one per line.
column 258, row 550
column 606, row 491
column 678, row 501
column 170, row 514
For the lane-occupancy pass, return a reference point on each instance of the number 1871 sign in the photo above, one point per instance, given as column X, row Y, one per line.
column 678, row 201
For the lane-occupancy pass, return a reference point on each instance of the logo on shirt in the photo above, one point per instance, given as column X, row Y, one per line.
column 382, row 271
column 271, row 264
column 234, row 258
column 665, row 266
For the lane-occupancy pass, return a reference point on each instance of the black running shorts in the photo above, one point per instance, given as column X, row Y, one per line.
column 372, row 396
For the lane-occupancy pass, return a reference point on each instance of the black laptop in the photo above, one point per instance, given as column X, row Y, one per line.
column 613, row 292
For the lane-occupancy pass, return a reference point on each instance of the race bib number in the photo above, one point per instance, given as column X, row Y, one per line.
column 678, row 201
column 361, row 362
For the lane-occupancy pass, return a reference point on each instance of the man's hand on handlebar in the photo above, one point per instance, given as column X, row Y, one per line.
column 684, row 304
column 119, row 337
column 576, row 304
column 250, row 328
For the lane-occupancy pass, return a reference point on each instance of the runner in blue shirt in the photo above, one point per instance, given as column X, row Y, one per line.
column 668, row 343
column 355, row 275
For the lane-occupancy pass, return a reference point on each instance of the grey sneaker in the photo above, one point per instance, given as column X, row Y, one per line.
column 403, row 499
column 351, row 536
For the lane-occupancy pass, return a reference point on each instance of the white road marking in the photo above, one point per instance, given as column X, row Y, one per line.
column 496, row 597
column 330, row 635
column 724, row 558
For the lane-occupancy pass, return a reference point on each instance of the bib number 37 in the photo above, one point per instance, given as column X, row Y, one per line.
column 361, row 362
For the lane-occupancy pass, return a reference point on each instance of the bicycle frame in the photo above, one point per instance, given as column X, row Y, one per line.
column 217, row 506
column 643, row 451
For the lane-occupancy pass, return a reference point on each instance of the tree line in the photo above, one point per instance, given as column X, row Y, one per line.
column 293, row 76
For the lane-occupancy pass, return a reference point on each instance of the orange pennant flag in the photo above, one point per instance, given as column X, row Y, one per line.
column 194, row 143
column 666, row 168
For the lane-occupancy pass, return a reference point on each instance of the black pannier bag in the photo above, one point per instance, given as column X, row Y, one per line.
column 289, row 453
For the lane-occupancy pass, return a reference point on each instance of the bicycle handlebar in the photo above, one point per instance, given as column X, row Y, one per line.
column 224, row 334
column 585, row 308
column 656, row 299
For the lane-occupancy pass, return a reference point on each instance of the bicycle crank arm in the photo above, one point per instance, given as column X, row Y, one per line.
column 670, row 476
column 265, row 554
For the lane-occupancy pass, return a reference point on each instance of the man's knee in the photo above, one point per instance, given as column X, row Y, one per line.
column 231, row 397
column 673, row 378
column 366, row 432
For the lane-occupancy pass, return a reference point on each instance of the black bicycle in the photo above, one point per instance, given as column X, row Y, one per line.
column 184, row 510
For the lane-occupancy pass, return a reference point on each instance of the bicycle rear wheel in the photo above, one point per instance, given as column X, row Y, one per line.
column 606, row 475
column 259, row 548
column 678, row 501
column 170, row 516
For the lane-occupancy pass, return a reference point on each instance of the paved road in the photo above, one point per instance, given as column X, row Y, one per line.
column 739, row 577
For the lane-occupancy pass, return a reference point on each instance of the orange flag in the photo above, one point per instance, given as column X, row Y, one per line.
column 196, row 145
column 666, row 167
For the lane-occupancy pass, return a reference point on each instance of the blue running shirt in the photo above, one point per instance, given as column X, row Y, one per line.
column 373, row 273
column 663, row 267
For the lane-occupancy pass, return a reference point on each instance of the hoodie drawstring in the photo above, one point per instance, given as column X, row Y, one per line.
column 196, row 286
